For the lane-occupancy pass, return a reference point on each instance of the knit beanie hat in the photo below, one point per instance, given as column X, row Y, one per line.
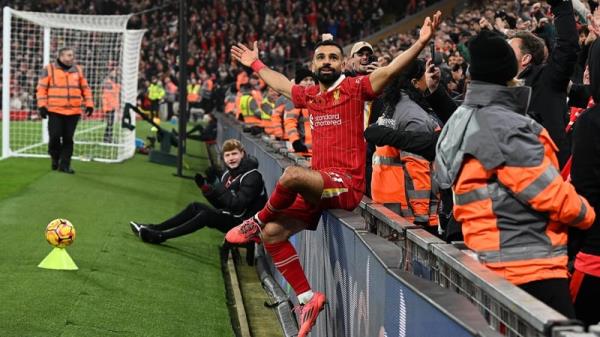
column 302, row 73
column 492, row 58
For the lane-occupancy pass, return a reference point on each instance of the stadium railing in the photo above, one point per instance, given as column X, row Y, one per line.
column 407, row 250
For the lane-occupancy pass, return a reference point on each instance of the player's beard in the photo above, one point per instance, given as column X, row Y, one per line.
column 330, row 78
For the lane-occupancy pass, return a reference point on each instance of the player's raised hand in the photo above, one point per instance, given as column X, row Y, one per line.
column 245, row 55
column 429, row 27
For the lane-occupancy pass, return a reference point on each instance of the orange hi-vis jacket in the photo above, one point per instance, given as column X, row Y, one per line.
column 277, row 118
column 63, row 91
column 232, row 104
column 296, row 123
column 402, row 180
column 508, row 194
column 110, row 95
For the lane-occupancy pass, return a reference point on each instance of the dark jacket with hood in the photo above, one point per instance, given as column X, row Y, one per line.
column 549, row 81
column 585, row 170
column 241, row 192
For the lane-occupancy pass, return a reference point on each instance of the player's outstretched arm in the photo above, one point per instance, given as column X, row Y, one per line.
column 381, row 77
column 249, row 58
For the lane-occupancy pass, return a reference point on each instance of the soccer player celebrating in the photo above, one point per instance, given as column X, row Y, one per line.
column 337, row 177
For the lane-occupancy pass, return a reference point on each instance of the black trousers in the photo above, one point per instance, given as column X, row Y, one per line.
column 586, row 290
column 61, row 129
column 154, row 108
column 110, row 121
column 194, row 217
column 554, row 292
column 170, row 111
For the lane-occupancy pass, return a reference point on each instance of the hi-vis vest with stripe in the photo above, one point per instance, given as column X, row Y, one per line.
column 266, row 110
column 248, row 115
column 402, row 180
column 513, row 205
column 63, row 91
column 193, row 93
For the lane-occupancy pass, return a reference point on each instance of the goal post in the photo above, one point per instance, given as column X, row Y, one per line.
column 108, row 55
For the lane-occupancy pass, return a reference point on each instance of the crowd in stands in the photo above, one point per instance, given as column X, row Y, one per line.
column 551, row 43
column 287, row 30
column 557, row 66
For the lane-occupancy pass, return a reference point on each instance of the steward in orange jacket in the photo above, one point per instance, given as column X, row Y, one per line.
column 401, row 179
column 267, row 108
column 277, row 118
column 508, row 194
column 296, row 122
column 111, row 92
column 62, row 90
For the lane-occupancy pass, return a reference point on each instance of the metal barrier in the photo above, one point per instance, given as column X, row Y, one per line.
column 506, row 308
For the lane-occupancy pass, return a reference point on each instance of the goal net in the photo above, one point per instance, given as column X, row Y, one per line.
column 103, row 48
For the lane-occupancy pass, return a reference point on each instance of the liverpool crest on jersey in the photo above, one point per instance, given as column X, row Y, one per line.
column 336, row 95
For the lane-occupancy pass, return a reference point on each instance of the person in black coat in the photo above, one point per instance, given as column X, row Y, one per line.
column 239, row 194
column 549, row 80
column 585, row 176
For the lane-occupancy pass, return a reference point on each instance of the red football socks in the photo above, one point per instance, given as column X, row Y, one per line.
column 286, row 260
column 280, row 199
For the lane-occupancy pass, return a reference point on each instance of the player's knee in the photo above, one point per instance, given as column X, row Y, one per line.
column 291, row 176
column 274, row 233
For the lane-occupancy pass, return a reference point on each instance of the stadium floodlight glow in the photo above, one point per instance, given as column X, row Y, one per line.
column 102, row 43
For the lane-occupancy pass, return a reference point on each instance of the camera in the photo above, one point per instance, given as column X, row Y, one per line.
column 372, row 59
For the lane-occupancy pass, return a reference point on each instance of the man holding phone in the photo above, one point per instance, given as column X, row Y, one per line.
column 362, row 61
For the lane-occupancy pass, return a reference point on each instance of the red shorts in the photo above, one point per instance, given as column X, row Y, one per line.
column 338, row 192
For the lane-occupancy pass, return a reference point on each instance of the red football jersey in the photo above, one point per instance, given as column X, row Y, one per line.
column 337, row 125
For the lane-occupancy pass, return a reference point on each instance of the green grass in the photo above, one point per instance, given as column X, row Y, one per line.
column 123, row 287
column 26, row 138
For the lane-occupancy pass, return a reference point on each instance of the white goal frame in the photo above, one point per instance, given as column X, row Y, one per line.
column 128, row 44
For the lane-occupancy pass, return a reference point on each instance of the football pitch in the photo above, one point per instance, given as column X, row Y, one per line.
column 123, row 287
column 26, row 138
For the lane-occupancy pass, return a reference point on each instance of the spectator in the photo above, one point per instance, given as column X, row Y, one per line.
column 297, row 121
column 362, row 62
column 585, row 175
column 549, row 80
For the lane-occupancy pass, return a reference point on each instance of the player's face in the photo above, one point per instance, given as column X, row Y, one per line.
column 67, row 57
column 233, row 158
column 328, row 64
